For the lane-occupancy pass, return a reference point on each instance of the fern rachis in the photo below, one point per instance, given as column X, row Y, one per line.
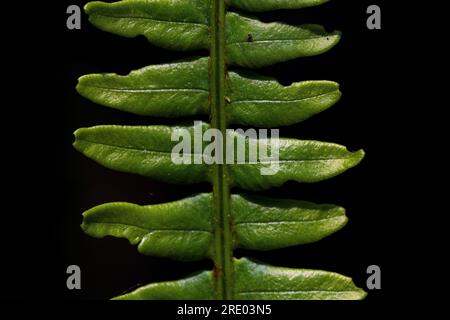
column 213, row 225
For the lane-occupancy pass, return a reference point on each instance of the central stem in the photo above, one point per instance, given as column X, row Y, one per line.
column 221, row 189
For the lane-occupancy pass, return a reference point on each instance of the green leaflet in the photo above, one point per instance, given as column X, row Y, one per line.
column 141, row 150
column 182, row 89
column 268, row 5
column 147, row 151
column 183, row 229
column 254, row 281
column 299, row 160
column 253, row 44
column 211, row 225
column 171, row 24
column 264, row 102
column 166, row 90
column 197, row 287
column 262, row 223
column 184, row 25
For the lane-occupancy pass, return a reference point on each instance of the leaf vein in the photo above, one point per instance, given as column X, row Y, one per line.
column 284, row 101
column 148, row 89
column 148, row 229
column 287, row 221
column 275, row 40
column 293, row 291
column 203, row 25
column 167, row 153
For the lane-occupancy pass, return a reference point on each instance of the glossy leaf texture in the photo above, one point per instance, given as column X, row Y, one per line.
column 269, row 5
column 254, row 44
column 183, row 229
column 196, row 287
column 261, row 223
column 166, row 90
column 263, row 102
column 184, row 25
column 148, row 151
column 212, row 225
column 255, row 281
column 182, row 89
column 142, row 150
column 302, row 161
column 170, row 24
column 179, row 230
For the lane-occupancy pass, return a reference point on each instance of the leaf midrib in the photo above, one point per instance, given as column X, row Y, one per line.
column 285, row 101
column 289, row 221
column 167, row 153
column 147, row 89
column 278, row 40
column 148, row 230
column 293, row 291
column 153, row 19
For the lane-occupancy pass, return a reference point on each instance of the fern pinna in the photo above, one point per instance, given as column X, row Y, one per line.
column 212, row 225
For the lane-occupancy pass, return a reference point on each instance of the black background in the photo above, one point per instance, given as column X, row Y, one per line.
column 48, row 184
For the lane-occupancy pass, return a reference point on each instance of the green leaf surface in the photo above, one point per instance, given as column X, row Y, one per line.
column 182, row 89
column 253, row 44
column 141, row 150
column 255, row 281
column 264, row 102
column 261, row 223
column 170, row 24
column 148, row 151
column 180, row 230
column 298, row 160
column 184, row 25
column 197, row 287
column 268, row 5
column 166, row 90
column 183, row 229
column 212, row 225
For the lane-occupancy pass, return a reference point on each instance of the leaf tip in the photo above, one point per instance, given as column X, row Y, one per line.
column 79, row 87
column 78, row 135
column 343, row 218
column 85, row 226
column 363, row 294
column 83, row 84
column 359, row 156
column 91, row 6
column 334, row 38
column 360, row 294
